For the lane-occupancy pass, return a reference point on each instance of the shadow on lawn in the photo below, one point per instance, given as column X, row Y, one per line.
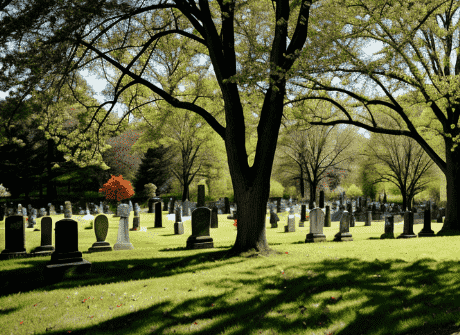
column 271, row 292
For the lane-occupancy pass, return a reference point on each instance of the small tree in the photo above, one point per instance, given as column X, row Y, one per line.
column 276, row 189
column 354, row 191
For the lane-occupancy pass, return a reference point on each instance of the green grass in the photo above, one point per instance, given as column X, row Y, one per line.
column 366, row 286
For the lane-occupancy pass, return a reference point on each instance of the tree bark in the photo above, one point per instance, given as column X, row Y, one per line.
column 452, row 220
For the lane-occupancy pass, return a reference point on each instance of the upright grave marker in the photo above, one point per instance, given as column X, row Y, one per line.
column 15, row 237
column 408, row 225
column 316, row 227
column 389, row 227
column 321, row 199
column 136, row 218
column 368, row 220
column 46, row 245
column 66, row 258
column 327, row 221
column 214, row 217
column 303, row 214
column 123, row 242
column 426, row 231
column 226, row 206
column 158, row 216
column 273, row 218
column 290, row 227
column 201, row 221
column 200, row 202
column 101, row 228
column 178, row 225
column 344, row 233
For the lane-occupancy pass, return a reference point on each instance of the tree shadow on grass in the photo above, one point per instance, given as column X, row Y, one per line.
column 375, row 300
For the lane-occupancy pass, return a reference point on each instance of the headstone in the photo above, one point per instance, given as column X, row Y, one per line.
column 151, row 202
column 389, row 227
column 165, row 204
column 62, row 209
column 201, row 221
column 274, row 218
column 130, row 206
column 278, row 205
column 426, row 231
column 303, row 214
column 158, row 215
column 67, row 210
column 15, row 237
column 226, row 206
column 201, row 195
column 123, row 242
column 66, row 256
column 41, row 213
column 214, row 218
column 321, row 199
column 316, row 226
column 327, row 221
column 101, row 228
column 46, row 245
column 344, row 233
column 408, row 225
column 32, row 218
column 290, row 227
column 368, row 220
column 178, row 225
column 186, row 208
column 136, row 218
column 52, row 210
column 19, row 212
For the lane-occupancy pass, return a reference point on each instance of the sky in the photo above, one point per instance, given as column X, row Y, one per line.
column 98, row 85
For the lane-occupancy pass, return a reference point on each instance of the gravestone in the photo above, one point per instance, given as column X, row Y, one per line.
column 226, row 206
column 303, row 214
column 158, row 216
column 186, row 208
column 19, row 212
column 32, row 218
column 130, row 206
column 344, row 233
column 321, row 199
column 278, row 205
column 46, row 245
column 327, row 221
column 408, row 226
column 178, row 225
column 66, row 258
column 426, row 231
column 214, row 218
column 52, row 210
column 290, row 227
column 151, row 202
column 123, row 242
column 368, row 219
column 67, row 210
column 389, row 228
column 101, row 228
column 316, row 227
column 165, row 204
column 136, row 218
column 273, row 218
column 201, row 221
column 201, row 195
column 15, row 237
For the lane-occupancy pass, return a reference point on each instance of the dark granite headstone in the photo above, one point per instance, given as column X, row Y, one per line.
column 15, row 237
column 426, row 230
column 274, row 219
column 101, row 228
column 66, row 256
column 303, row 214
column 368, row 220
column 214, row 218
column 46, row 247
column 158, row 215
column 200, row 202
column 408, row 226
column 321, row 199
column 226, row 206
column 327, row 220
column 201, row 222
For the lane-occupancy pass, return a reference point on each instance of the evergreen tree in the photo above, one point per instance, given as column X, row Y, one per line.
column 155, row 169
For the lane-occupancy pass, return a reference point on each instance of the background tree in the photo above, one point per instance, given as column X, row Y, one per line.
column 416, row 57
column 219, row 31
column 316, row 150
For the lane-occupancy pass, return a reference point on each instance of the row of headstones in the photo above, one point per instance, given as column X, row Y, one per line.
column 66, row 253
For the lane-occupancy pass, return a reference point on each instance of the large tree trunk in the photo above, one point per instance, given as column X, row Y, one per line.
column 452, row 220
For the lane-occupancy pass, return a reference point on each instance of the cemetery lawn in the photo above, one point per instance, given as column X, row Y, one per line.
column 365, row 286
